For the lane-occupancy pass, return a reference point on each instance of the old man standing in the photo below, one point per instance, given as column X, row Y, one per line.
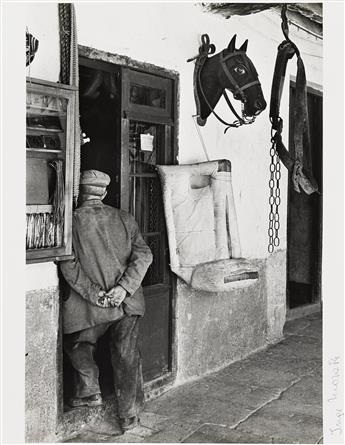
column 104, row 278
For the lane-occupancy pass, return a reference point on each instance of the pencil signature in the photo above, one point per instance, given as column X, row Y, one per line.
column 335, row 364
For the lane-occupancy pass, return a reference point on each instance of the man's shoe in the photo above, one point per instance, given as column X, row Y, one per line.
column 94, row 400
column 129, row 423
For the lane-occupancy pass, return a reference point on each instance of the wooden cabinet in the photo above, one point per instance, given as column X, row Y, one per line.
column 50, row 114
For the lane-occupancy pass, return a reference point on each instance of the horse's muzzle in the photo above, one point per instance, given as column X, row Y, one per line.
column 259, row 105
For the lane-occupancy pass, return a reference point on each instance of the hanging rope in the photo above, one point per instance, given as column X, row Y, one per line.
column 69, row 74
column 194, row 117
column 74, row 81
column 65, row 34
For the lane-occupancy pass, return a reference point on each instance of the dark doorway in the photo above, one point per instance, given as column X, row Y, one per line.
column 129, row 117
column 304, row 226
column 99, row 99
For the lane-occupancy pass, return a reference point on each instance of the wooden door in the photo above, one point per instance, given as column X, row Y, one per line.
column 147, row 140
column 117, row 105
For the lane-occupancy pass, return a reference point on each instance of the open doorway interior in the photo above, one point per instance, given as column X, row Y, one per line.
column 304, row 232
column 99, row 101
column 128, row 116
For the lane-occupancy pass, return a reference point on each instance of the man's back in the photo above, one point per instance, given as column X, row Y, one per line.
column 102, row 241
column 105, row 295
column 109, row 250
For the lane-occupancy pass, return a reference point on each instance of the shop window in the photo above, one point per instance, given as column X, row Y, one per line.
column 50, row 110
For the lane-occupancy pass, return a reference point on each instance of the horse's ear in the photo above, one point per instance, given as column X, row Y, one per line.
column 231, row 46
column 244, row 46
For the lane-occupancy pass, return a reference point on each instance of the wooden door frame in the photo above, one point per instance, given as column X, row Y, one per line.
column 94, row 56
column 314, row 306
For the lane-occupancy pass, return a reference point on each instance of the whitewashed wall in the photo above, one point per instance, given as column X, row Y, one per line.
column 42, row 22
column 167, row 34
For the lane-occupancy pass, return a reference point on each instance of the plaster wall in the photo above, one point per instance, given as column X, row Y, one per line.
column 41, row 20
column 125, row 29
column 42, row 364
column 216, row 329
column 167, row 34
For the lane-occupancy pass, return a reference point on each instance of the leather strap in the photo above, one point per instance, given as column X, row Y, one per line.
column 226, row 97
column 285, row 52
column 237, row 89
column 228, row 125
column 300, row 166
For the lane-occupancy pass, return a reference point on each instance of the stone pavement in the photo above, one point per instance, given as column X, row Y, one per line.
column 273, row 396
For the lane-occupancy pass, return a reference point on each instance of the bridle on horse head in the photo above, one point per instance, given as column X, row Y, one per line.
column 205, row 49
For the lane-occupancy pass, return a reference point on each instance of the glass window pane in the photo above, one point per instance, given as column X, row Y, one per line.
column 145, row 199
column 155, row 272
column 42, row 231
column 145, row 203
column 45, row 122
column 146, row 146
column 40, row 181
column 143, row 95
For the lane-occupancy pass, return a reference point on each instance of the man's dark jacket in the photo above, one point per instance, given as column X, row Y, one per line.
column 109, row 250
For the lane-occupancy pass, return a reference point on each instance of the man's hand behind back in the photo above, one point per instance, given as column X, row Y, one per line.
column 113, row 298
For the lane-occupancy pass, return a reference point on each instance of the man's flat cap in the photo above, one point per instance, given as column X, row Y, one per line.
column 94, row 178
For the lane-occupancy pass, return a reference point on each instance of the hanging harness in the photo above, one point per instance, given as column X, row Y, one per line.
column 205, row 49
column 299, row 165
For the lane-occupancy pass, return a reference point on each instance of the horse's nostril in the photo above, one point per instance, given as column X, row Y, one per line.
column 260, row 104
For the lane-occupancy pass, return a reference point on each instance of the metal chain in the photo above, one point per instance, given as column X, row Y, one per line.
column 274, row 198
column 275, row 165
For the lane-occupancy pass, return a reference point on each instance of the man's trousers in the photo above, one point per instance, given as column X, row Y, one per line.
column 125, row 358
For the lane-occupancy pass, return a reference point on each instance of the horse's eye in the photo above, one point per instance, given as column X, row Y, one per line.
column 240, row 70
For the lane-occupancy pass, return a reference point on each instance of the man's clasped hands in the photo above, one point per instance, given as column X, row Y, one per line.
column 113, row 298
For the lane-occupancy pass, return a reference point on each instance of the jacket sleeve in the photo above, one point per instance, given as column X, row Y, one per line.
column 138, row 262
column 79, row 281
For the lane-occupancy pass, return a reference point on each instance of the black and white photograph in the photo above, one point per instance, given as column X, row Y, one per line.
column 174, row 227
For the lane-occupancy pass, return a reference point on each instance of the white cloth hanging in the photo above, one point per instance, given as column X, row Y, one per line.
column 202, row 226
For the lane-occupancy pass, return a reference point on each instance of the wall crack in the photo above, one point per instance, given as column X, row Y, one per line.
column 272, row 399
column 301, row 335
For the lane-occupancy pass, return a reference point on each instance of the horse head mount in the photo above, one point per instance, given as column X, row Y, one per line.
column 230, row 69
